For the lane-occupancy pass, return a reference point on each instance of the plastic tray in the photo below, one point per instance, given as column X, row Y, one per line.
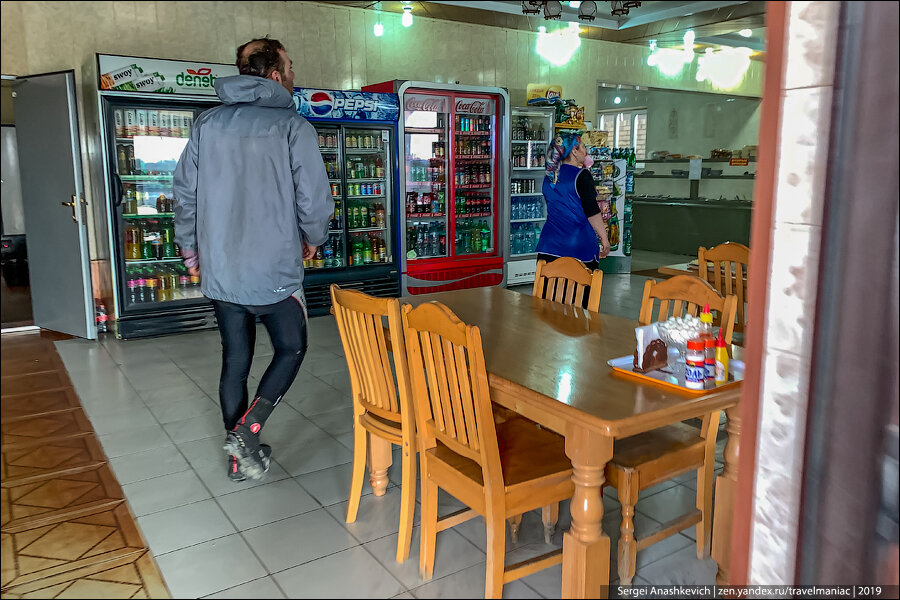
column 667, row 379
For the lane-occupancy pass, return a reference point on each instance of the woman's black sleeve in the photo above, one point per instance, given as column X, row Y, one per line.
column 587, row 192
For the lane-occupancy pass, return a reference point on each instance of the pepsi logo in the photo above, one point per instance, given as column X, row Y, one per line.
column 321, row 103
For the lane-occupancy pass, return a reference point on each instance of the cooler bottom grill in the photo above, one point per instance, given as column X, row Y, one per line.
column 318, row 295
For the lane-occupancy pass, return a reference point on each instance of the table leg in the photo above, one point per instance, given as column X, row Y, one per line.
column 380, row 459
column 585, row 546
column 726, row 484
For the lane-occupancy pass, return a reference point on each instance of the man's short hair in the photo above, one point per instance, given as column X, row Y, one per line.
column 259, row 57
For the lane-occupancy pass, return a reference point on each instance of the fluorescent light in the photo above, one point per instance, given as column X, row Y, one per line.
column 378, row 30
column 617, row 100
column 407, row 19
column 575, row 4
column 745, row 32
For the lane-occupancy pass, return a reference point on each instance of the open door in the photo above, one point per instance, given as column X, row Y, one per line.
column 52, row 194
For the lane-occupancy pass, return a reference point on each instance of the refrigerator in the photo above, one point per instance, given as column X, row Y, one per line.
column 531, row 131
column 146, row 110
column 613, row 179
column 357, row 136
column 453, row 184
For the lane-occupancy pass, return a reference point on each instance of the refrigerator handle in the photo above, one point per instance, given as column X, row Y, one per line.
column 120, row 189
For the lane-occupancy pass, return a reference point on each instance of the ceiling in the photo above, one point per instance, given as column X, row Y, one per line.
column 714, row 23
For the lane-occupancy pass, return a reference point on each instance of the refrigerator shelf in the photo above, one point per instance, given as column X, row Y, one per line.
column 365, row 229
column 353, row 179
column 145, row 177
column 475, row 186
column 426, row 256
column 335, row 231
column 334, row 180
column 473, row 133
column 365, row 196
column 520, row 194
column 328, row 149
column 365, row 150
column 527, row 254
column 472, row 215
column 530, row 141
column 425, row 215
column 423, row 131
column 150, row 216
column 152, row 260
column 533, row 220
column 434, row 184
column 528, row 168
column 373, row 263
column 474, row 157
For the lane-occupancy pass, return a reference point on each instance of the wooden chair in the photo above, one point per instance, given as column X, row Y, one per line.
column 686, row 294
column 566, row 280
column 379, row 408
column 729, row 274
column 649, row 458
column 498, row 471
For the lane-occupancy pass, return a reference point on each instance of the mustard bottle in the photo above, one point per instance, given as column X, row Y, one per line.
column 721, row 360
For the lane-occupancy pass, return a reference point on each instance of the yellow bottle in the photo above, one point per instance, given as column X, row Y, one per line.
column 721, row 360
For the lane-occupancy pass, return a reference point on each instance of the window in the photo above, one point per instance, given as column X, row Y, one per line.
column 626, row 129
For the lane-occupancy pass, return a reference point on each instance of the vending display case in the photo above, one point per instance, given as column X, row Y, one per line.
column 453, row 184
column 531, row 132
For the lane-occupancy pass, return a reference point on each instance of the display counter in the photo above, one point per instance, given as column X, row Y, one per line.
column 682, row 225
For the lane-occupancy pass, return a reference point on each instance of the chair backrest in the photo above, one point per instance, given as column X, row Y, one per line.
column 728, row 274
column 450, row 387
column 566, row 280
column 686, row 294
column 361, row 320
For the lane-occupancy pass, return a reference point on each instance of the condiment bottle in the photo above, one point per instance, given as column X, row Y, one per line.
column 710, row 360
column 721, row 360
column 695, row 368
column 706, row 320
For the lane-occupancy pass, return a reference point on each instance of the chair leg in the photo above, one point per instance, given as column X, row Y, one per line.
column 550, row 516
column 407, row 503
column 428, row 531
column 380, row 459
column 514, row 524
column 496, row 552
column 359, row 471
column 627, row 557
column 705, row 477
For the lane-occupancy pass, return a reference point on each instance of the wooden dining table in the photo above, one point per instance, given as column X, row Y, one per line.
column 548, row 362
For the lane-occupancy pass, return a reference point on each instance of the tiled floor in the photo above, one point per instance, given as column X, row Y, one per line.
column 66, row 529
column 153, row 404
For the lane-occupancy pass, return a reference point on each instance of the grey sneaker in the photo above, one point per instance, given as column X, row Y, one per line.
column 234, row 470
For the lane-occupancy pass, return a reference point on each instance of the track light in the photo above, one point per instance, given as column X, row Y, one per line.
column 552, row 9
column 587, row 10
column 531, row 8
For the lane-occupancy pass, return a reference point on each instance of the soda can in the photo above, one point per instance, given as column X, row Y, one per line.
column 335, row 189
column 369, row 191
column 377, row 189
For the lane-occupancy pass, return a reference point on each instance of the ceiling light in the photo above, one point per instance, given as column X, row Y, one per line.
column 552, row 9
column 724, row 69
column 531, row 8
column 378, row 30
column 558, row 47
column 587, row 10
column 407, row 18
column 745, row 32
column 617, row 9
column 617, row 100
column 574, row 4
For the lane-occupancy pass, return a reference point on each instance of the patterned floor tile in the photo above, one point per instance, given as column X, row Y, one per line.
column 21, row 431
column 41, row 402
column 46, row 460
column 13, row 385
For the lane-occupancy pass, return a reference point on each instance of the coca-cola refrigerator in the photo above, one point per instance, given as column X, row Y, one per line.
column 357, row 134
column 453, row 184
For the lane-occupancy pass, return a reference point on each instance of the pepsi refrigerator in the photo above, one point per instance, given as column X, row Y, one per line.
column 453, row 184
column 145, row 110
column 357, row 135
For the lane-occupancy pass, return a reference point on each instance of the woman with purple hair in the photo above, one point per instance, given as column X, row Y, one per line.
column 574, row 219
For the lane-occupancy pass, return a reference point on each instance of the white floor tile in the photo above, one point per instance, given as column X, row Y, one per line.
column 378, row 516
column 682, row 567
column 210, row 567
column 306, row 456
column 267, row 503
column 184, row 408
column 353, row 573
column 276, row 544
column 667, row 505
column 469, row 583
column 212, row 472
column 335, row 422
column 184, row 526
column 258, row 588
column 196, row 428
column 147, row 465
column 162, row 493
column 332, row 485
column 134, row 440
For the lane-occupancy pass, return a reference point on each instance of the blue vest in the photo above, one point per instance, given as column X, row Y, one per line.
column 567, row 231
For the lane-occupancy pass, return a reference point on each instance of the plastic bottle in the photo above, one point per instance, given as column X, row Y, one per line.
column 695, row 370
column 709, row 342
column 721, row 360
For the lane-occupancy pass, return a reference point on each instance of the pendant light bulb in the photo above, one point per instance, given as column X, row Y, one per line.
column 407, row 19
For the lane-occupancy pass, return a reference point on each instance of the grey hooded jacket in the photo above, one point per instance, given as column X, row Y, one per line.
column 250, row 187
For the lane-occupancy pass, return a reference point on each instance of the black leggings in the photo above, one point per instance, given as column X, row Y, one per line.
column 285, row 322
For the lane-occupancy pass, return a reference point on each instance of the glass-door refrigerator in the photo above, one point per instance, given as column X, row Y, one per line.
column 357, row 136
column 531, row 131
column 147, row 108
column 453, row 184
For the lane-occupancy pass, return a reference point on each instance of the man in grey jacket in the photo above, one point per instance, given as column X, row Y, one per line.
column 253, row 202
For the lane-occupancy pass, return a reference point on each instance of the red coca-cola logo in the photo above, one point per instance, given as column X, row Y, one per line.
column 474, row 107
column 426, row 104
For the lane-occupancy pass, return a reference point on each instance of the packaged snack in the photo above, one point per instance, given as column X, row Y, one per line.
column 651, row 352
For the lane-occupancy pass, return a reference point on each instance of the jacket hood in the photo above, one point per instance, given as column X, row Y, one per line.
column 248, row 89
